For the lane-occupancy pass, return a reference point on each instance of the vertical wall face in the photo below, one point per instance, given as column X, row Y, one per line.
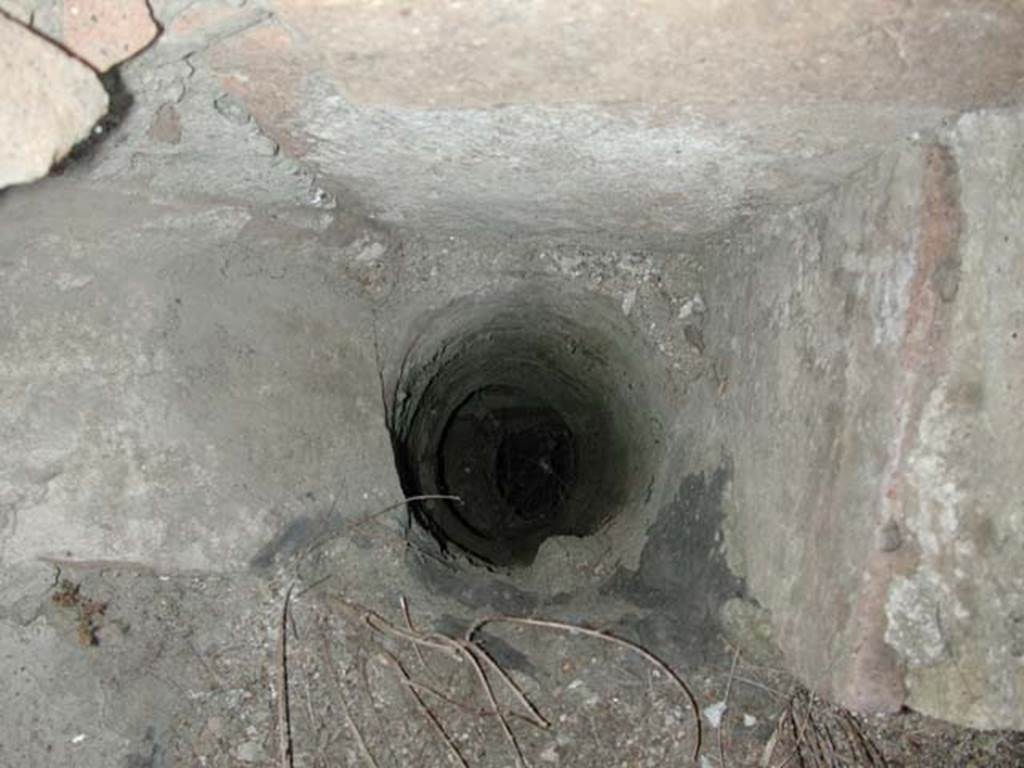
column 956, row 618
column 867, row 370
column 811, row 305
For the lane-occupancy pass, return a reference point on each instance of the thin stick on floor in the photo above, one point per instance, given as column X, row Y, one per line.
column 534, row 716
column 725, row 710
column 455, row 649
column 427, row 712
column 412, row 628
column 607, row 637
column 760, row 686
column 437, row 642
column 284, row 725
column 349, row 720
column 769, row 749
column 460, row 649
column 798, row 736
column 474, row 711
column 469, row 649
column 365, row 518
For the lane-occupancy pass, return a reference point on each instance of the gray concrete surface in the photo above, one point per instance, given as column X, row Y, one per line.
column 671, row 118
column 808, row 220
column 177, row 442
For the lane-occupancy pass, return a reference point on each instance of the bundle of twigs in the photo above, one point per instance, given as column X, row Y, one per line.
column 811, row 733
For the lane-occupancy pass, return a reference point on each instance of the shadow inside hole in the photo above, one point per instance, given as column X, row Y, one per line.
column 531, row 411
column 511, row 458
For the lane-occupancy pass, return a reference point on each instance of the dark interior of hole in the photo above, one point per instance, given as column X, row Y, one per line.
column 538, row 422
column 511, row 458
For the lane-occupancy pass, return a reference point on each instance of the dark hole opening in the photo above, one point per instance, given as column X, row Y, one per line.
column 534, row 416
column 511, row 459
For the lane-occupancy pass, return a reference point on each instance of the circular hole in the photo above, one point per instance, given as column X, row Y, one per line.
column 511, row 458
column 529, row 409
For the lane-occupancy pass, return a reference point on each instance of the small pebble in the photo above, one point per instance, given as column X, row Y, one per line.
column 713, row 714
column 549, row 755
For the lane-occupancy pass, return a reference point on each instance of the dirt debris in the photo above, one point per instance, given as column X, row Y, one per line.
column 89, row 612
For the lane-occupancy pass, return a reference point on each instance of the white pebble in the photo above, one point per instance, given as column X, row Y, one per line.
column 628, row 301
column 693, row 306
column 549, row 755
column 713, row 714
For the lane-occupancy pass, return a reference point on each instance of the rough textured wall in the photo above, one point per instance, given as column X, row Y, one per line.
column 864, row 358
column 956, row 617
column 804, row 320
column 643, row 119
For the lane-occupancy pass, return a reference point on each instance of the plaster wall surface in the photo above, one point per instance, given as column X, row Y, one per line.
column 856, row 390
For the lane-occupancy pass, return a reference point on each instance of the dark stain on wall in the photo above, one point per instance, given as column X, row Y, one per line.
column 683, row 578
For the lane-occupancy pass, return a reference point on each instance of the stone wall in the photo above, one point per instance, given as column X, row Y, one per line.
column 866, row 368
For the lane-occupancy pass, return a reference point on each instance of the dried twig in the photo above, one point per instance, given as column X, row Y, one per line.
column 534, row 715
column 725, row 710
column 316, row 723
column 362, row 519
column 608, row 637
column 412, row 628
column 486, row 684
column 427, row 712
column 820, row 734
column 440, row 643
column 284, row 726
column 773, row 740
column 798, row 735
column 349, row 720
column 474, row 711
column 457, row 649
column 466, row 648
column 799, row 729
column 785, row 717
column 759, row 685
column 871, row 750
column 823, row 752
